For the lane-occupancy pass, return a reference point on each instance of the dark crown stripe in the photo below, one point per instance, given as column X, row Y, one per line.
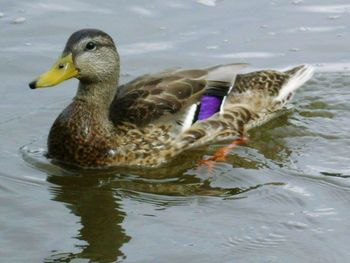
column 84, row 33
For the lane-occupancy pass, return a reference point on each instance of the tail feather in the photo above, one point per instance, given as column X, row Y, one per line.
column 298, row 76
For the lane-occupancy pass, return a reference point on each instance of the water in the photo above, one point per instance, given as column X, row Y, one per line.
column 281, row 198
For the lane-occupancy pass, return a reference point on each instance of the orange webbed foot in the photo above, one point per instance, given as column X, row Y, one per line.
column 221, row 154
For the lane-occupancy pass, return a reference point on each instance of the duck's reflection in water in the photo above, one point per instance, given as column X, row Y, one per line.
column 93, row 199
column 97, row 200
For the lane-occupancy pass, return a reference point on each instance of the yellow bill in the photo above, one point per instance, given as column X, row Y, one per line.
column 62, row 70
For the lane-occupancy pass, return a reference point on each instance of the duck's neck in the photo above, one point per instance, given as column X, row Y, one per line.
column 97, row 96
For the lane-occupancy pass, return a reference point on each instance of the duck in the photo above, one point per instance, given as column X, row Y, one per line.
column 152, row 119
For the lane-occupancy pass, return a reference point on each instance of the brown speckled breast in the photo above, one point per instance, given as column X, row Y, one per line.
column 79, row 137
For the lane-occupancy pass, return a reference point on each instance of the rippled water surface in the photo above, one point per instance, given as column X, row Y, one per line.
column 283, row 197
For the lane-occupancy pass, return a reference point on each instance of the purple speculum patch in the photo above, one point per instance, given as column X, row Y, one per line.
column 209, row 106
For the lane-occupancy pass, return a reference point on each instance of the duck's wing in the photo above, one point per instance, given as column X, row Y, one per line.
column 255, row 98
column 168, row 96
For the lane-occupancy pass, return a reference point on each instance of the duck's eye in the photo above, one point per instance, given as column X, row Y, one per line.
column 90, row 46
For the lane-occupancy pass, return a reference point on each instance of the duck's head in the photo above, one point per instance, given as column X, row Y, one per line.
column 90, row 56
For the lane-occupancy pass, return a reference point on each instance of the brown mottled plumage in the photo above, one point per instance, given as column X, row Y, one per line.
column 147, row 122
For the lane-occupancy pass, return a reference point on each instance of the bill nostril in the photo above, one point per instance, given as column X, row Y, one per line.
column 61, row 66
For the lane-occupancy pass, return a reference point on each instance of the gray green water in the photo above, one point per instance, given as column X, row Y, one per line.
column 284, row 197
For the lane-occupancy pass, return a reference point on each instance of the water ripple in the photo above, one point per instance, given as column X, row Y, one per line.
column 336, row 9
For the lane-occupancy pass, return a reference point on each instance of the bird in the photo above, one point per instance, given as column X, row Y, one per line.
column 152, row 119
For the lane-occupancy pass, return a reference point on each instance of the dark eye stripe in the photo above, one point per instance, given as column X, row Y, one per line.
column 106, row 45
column 100, row 45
